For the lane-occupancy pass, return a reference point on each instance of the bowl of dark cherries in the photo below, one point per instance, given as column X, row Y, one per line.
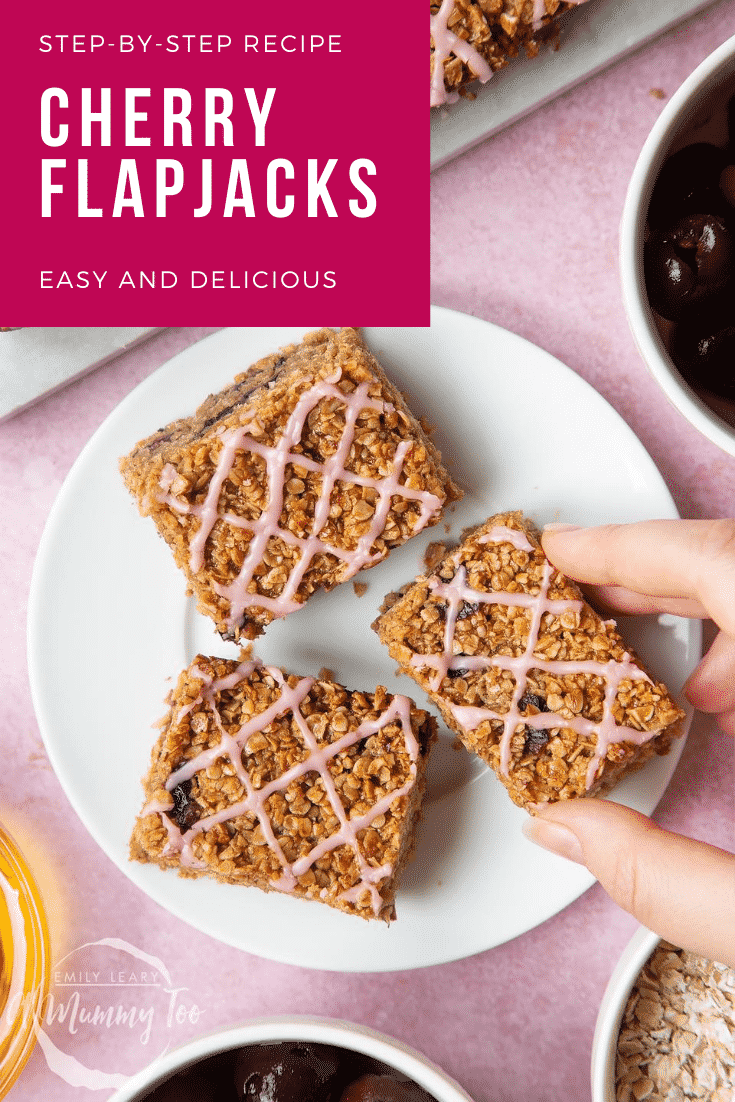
column 292, row 1060
column 678, row 249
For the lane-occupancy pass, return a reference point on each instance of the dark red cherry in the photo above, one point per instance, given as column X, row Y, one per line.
column 384, row 1088
column 687, row 264
column 185, row 811
column 688, row 183
column 706, row 356
column 534, row 741
column 202, row 1083
column 286, row 1072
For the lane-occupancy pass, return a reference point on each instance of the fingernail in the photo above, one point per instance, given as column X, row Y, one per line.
column 554, row 837
column 557, row 526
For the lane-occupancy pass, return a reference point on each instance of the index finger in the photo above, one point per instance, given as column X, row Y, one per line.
column 691, row 559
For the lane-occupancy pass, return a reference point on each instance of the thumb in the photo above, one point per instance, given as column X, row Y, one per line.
column 681, row 889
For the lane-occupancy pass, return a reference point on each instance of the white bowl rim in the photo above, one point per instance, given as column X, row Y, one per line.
column 632, row 225
column 612, row 1007
column 328, row 1031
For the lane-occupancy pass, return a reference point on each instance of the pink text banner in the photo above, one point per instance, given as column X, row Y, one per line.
column 171, row 164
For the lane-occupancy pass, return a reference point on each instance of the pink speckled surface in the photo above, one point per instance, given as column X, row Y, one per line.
column 525, row 235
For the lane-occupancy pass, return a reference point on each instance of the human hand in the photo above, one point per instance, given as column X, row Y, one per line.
column 682, row 889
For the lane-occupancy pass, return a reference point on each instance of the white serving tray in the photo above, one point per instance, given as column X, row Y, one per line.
column 36, row 361
column 599, row 33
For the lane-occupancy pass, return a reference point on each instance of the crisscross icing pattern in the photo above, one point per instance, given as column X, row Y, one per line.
column 316, row 761
column 241, row 592
column 605, row 732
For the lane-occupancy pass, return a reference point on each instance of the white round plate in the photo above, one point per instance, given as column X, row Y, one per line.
column 109, row 627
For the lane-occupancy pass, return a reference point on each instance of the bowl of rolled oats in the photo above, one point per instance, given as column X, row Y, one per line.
column 666, row 1027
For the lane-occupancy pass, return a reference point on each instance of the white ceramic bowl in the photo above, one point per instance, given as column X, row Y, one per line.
column 614, row 1001
column 680, row 113
column 356, row 1038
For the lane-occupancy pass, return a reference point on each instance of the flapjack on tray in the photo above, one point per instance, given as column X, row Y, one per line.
column 472, row 39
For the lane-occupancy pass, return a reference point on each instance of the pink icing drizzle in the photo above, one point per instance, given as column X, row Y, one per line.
column 446, row 42
column 239, row 592
column 316, row 761
column 456, row 592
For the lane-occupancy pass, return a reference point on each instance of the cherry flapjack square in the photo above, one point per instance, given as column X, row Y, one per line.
column 285, row 783
column 520, row 666
column 307, row 469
